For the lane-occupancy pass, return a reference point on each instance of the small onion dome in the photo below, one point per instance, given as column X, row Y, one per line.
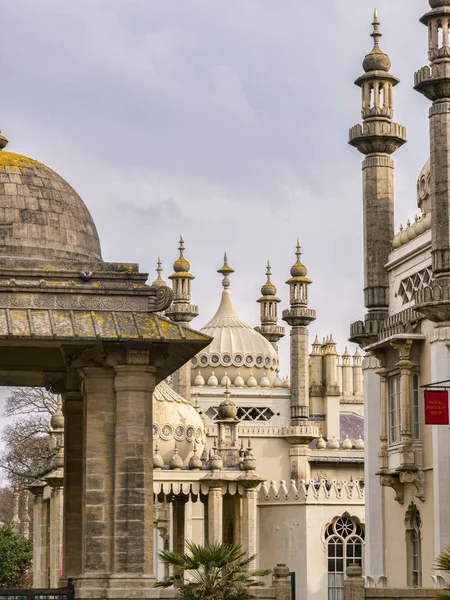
column 347, row 444
column 159, row 281
column 176, row 462
column 57, row 420
column 181, row 266
column 268, row 289
column 278, row 382
column 359, row 444
column 376, row 60
column 321, row 443
column 249, row 459
column 158, row 461
column 334, row 443
column 265, row 383
column 199, row 381
column 213, row 381
column 227, row 408
column 287, row 383
column 251, row 381
column 195, row 462
column 239, row 382
column 298, row 269
column 225, row 381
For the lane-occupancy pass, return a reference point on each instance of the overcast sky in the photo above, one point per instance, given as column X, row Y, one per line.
column 226, row 120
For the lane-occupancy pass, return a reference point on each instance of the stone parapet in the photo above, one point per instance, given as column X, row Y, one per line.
column 311, row 492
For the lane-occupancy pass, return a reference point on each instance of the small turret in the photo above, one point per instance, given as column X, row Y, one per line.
column 269, row 311
column 182, row 311
column 299, row 316
column 377, row 138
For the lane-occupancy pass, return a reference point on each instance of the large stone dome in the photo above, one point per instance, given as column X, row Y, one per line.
column 42, row 216
column 236, row 350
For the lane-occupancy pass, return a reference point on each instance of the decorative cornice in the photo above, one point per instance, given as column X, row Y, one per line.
column 351, row 492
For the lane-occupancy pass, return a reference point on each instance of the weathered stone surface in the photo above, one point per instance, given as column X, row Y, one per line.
column 41, row 215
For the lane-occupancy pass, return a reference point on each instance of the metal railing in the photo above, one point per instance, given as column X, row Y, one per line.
column 65, row 593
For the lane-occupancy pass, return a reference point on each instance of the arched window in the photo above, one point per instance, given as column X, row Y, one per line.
column 413, row 524
column 345, row 539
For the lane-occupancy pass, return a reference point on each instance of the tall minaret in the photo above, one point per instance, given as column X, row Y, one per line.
column 182, row 311
column 377, row 138
column 299, row 316
column 269, row 312
column 434, row 83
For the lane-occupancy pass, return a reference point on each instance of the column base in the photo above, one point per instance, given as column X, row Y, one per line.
column 119, row 586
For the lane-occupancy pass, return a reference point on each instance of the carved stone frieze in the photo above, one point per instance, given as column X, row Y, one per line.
column 70, row 301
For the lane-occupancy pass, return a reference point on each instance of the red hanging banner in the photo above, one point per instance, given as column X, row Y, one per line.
column 436, row 407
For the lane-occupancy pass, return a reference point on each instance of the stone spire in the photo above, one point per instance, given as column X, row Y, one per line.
column 269, row 311
column 377, row 138
column 159, row 281
column 299, row 316
column 182, row 311
column 433, row 81
column 226, row 270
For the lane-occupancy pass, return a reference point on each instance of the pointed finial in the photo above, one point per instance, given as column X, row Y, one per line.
column 268, row 271
column 181, row 246
column 299, row 250
column 159, row 267
column 159, row 281
column 376, row 34
column 225, row 271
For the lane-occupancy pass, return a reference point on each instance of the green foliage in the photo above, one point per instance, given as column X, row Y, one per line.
column 213, row 572
column 15, row 558
column 442, row 563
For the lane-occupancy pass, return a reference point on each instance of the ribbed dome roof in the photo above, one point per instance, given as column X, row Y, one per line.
column 176, row 423
column 235, row 346
column 42, row 215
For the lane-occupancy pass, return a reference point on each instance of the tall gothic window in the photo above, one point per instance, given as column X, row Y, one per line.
column 345, row 539
column 395, row 404
column 413, row 524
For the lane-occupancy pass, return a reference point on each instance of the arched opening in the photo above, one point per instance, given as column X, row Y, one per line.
column 382, row 97
column 344, row 537
column 413, row 524
column 440, row 35
column 372, row 97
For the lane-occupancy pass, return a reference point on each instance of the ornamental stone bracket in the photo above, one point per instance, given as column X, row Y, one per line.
column 417, row 478
column 397, row 482
column 393, row 481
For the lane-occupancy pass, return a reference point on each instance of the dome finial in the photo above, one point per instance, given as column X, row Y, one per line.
column 3, row 141
column 268, row 289
column 299, row 250
column 376, row 34
column 159, row 281
column 181, row 246
column 225, row 271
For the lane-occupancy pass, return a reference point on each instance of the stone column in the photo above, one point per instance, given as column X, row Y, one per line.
column 440, row 371
column 375, row 533
column 299, row 374
column 215, row 515
column 282, row 582
column 354, row 587
column 250, row 523
column 39, row 550
column 133, row 479
column 98, row 481
column 56, row 534
column 179, row 523
column 73, row 483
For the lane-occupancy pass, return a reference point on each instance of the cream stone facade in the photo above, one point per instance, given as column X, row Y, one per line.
column 242, row 455
column 405, row 332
